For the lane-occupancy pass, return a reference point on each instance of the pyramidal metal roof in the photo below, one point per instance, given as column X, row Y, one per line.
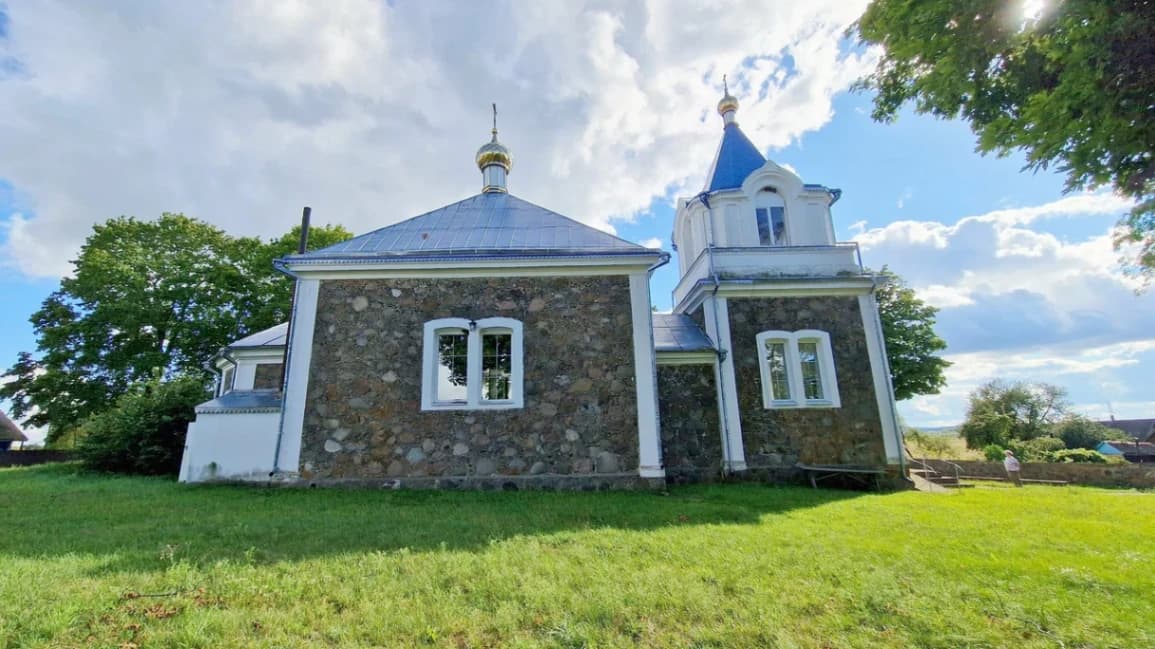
column 488, row 224
column 737, row 158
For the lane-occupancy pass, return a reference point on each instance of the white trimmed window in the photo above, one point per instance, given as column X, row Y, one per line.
column 770, row 215
column 472, row 364
column 797, row 369
column 226, row 380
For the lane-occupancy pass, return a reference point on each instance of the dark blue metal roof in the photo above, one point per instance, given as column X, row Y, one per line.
column 677, row 332
column 737, row 158
column 242, row 401
column 488, row 224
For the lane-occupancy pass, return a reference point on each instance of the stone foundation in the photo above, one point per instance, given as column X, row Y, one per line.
column 851, row 434
column 363, row 417
column 691, row 433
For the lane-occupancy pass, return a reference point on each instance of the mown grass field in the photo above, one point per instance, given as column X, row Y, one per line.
column 117, row 562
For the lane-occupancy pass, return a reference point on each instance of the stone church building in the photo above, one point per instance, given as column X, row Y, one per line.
column 494, row 343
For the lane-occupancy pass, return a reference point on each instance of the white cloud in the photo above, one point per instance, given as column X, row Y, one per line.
column 1019, row 302
column 651, row 243
column 240, row 113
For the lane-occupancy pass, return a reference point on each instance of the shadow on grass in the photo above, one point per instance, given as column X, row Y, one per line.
column 140, row 524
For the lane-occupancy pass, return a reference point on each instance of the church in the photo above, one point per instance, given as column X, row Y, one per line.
column 496, row 344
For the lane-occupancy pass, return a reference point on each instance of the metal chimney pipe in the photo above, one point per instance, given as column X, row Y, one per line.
column 304, row 245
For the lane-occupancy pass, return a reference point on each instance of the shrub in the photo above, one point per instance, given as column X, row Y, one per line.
column 1038, row 449
column 144, row 432
column 1079, row 455
column 993, row 452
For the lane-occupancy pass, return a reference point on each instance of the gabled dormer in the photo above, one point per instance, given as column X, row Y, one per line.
column 756, row 219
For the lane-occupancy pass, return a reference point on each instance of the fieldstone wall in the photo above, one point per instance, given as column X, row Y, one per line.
column 1141, row 476
column 363, row 417
column 267, row 376
column 691, row 433
column 777, row 439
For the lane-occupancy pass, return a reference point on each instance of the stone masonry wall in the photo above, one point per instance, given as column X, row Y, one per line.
column 1140, row 476
column 774, row 439
column 267, row 376
column 363, row 415
column 688, row 410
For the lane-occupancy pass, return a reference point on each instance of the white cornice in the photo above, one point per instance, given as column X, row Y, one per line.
column 567, row 266
column 778, row 287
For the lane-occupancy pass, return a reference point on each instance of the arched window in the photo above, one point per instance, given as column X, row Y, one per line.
column 472, row 364
column 770, row 213
column 797, row 369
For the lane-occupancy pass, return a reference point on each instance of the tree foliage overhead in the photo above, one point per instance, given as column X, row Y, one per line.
column 1073, row 88
column 911, row 343
column 145, row 297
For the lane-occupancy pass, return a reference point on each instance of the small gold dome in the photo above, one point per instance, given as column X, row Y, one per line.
column 494, row 152
column 728, row 103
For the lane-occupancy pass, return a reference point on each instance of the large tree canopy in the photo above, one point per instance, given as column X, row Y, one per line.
column 1001, row 413
column 911, row 343
column 145, row 297
column 1074, row 87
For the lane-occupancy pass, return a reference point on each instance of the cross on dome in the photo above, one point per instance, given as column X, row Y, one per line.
column 494, row 161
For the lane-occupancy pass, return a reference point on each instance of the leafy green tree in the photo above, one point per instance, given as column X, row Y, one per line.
column 911, row 343
column 271, row 296
column 1001, row 413
column 1079, row 432
column 145, row 296
column 1072, row 88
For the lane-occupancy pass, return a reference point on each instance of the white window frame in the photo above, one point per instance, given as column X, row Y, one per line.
column 767, row 199
column 228, row 379
column 797, row 399
column 473, row 400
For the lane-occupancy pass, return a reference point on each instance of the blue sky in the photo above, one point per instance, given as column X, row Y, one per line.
column 239, row 113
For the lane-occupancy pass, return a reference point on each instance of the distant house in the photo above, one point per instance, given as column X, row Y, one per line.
column 1129, row 450
column 1142, row 430
column 9, row 433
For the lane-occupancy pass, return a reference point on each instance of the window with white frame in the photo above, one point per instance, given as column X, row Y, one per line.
column 226, row 380
column 797, row 369
column 472, row 364
column 770, row 214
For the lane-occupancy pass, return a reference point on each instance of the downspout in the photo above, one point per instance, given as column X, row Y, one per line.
column 302, row 246
column 889, row 380
column 705, row 198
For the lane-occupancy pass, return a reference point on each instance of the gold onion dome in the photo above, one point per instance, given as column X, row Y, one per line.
column 729, row 102
column 494, row 153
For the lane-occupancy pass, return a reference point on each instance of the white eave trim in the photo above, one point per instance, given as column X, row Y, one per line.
column 523, row 266
column 702, row 357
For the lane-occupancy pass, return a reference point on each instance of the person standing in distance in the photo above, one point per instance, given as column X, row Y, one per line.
column 1011, row 464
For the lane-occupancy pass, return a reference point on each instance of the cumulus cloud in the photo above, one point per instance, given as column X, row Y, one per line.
column 1021, row 303
column 241, row 112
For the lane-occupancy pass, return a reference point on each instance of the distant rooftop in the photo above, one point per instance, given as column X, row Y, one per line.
column 272, row 337
column 1141, row 429
column 9, row 431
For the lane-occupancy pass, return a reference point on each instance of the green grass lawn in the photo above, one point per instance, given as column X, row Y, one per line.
column 119, row 562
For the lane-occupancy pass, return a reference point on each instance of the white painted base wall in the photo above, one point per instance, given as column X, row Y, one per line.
column 230, row 446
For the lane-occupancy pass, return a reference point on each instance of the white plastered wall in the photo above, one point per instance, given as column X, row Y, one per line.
column 230, row 446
